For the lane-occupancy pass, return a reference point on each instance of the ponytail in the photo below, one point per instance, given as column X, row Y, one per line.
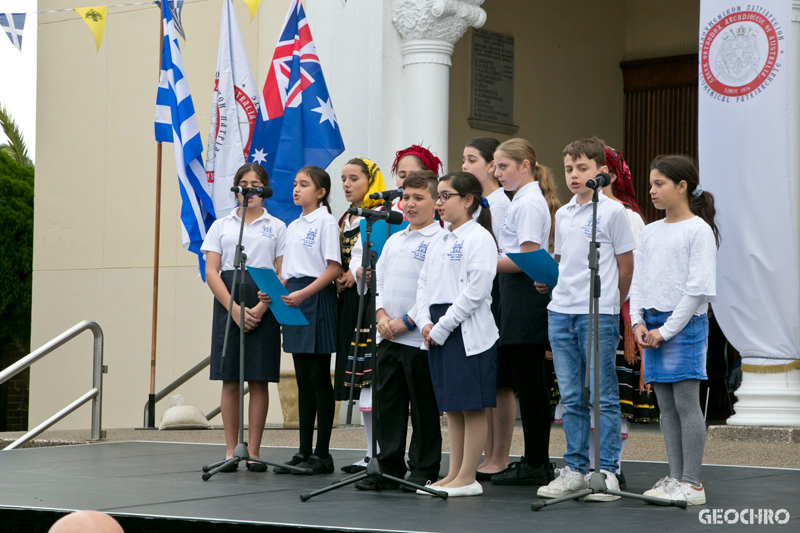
column 678, row 168
column 519, row 150
column 467, row 184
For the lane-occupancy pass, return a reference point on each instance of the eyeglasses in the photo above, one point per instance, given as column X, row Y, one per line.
column 445, row 196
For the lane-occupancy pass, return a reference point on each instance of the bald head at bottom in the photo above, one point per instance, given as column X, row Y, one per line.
column 86, row 522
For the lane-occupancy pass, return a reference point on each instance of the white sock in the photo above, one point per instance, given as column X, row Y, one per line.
column 367, row 417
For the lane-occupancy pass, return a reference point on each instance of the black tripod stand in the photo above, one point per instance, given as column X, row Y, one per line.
column 597, row 481
column 373, row 471
column 241, row 452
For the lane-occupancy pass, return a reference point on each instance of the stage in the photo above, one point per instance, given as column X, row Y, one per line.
column 152, row 486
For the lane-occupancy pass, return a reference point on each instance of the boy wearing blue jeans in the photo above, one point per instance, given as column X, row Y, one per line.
column 568, row 318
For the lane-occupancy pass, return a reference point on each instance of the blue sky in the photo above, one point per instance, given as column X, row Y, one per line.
column 18, row 73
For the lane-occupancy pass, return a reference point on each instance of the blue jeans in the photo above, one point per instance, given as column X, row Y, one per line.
column 568, row 339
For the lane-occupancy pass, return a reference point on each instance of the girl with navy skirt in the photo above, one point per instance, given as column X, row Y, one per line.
column 674, row 280
column 453, row 311
column 263, row 239
column 311, row 264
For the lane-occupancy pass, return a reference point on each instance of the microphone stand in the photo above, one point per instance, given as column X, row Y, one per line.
column 597, row 481
column 241, row 452
column 373, row 471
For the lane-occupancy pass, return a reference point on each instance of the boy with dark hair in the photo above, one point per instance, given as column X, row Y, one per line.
column 568, row 318
column 402, row 367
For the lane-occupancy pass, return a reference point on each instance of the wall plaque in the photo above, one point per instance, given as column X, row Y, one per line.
column 492, row 98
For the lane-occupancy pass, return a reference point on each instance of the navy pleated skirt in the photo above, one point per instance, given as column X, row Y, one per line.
column 262, row 357
column 461, row 383
column 321, row 312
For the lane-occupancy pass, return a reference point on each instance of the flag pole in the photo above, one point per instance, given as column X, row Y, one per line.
column 151, row 400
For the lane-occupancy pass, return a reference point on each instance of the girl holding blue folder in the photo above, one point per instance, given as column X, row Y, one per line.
column 264, row 241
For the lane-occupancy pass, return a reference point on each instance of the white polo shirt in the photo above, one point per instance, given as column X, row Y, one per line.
column 311, row 241
column 573, row 235
column 459, row 269
column 498, row 205
column 263, row 240
column 527, row 220
column 397, row 275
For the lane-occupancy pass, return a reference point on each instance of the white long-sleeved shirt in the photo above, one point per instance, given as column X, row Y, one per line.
column 674, row 269
column 459, row 269
column 397, row 276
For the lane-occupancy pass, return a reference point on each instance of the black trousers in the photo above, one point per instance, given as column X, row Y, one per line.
column 403, row 375
column 527, row 362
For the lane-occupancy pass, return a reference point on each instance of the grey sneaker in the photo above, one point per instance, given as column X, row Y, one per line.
column 567, row 482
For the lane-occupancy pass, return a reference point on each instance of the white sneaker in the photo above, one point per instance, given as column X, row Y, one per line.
column 612, row 483
column 685, row 491
column 567, row 482
column 662, row 486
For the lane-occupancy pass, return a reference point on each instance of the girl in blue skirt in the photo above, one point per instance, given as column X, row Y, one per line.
column 311, row 263
column 454, row 313
column 674, row 280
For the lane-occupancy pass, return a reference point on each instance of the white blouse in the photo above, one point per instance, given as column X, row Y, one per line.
column 311, row 241
column 527, row 220
column 263, row 240
column 675, row 265
column 498, row 205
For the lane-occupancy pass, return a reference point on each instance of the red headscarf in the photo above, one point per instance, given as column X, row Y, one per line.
column 623, row 185
column 430, row 161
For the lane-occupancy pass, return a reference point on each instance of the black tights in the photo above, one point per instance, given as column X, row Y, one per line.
column 527, row 361
column 315, row 400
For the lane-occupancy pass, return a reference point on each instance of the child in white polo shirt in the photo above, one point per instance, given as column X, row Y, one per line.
column 568, row 318
column 403, row 374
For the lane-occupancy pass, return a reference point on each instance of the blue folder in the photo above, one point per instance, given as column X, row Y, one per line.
column 269, row 284
column 538, row 265
column 378, row 237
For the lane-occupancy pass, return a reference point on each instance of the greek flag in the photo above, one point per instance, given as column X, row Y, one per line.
column 12, row 24
column 176, row 123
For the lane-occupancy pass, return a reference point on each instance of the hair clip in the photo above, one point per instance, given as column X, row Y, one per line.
column 697, row 191
column 484, row 202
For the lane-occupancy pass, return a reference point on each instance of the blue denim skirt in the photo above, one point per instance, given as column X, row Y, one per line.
column 680, row 358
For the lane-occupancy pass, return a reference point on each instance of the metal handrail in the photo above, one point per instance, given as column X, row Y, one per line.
column 95, row 394
column 175, row 384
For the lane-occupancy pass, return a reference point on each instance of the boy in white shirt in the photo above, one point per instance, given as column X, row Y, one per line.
column 568, row 318
column 403, row 372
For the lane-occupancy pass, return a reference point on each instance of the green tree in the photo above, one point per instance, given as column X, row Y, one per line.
column 15, row 147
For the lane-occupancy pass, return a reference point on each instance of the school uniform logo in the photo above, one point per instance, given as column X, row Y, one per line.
column 587, row 227
column 740, row 53
column 310, row 239
column 419, row 253
column 456, row 251
column 504, row 223
column 267, row 232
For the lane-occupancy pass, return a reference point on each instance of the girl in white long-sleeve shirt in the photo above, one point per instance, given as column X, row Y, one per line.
column 453, row 311
column 674, row 280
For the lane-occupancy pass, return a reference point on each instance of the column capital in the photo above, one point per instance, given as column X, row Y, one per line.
column 795, row 10
column 436, row 20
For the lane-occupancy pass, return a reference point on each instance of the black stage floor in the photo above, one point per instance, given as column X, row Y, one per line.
column 153, row 486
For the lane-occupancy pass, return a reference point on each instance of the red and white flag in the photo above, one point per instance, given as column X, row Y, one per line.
column 233, row 113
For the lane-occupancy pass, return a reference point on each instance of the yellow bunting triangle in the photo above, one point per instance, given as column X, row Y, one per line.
column 252, row 5
column 95, row 18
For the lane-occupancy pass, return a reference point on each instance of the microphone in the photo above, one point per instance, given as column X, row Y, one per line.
column 386, row 195
column 599, row 181
column 263, row 192
column 391, row 217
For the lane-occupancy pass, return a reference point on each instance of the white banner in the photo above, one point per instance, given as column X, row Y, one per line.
column 744, row 162
column 233, row 113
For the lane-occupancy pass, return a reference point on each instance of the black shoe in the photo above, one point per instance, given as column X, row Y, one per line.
column 417, row 479
column 317, row 465
column 521, row 473
column 622, row 483
column 484, row 476
column 377, row 484
column 229, row 466
column 256, row 467
column 354, row 469
column 294, row 461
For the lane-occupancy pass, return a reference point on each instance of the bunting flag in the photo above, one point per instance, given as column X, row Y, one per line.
column 233, row 113
column 176, row 123
column 95, row 18
column 176, row 10
column 12, row 24
column 252, row 5
column 296, row 123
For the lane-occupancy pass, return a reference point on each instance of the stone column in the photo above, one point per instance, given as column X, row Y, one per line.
column 429, row 29
column 773, row 399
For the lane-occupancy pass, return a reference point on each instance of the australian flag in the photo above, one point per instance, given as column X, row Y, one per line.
column 296, row 125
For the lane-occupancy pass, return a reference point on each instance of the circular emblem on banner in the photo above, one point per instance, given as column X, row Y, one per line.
column 739, row 53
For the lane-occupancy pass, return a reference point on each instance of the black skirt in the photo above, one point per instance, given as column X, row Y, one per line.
column 348, row 320
column 523, row 311
column 262, row 357
column 461, row 383
column 319, row 336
